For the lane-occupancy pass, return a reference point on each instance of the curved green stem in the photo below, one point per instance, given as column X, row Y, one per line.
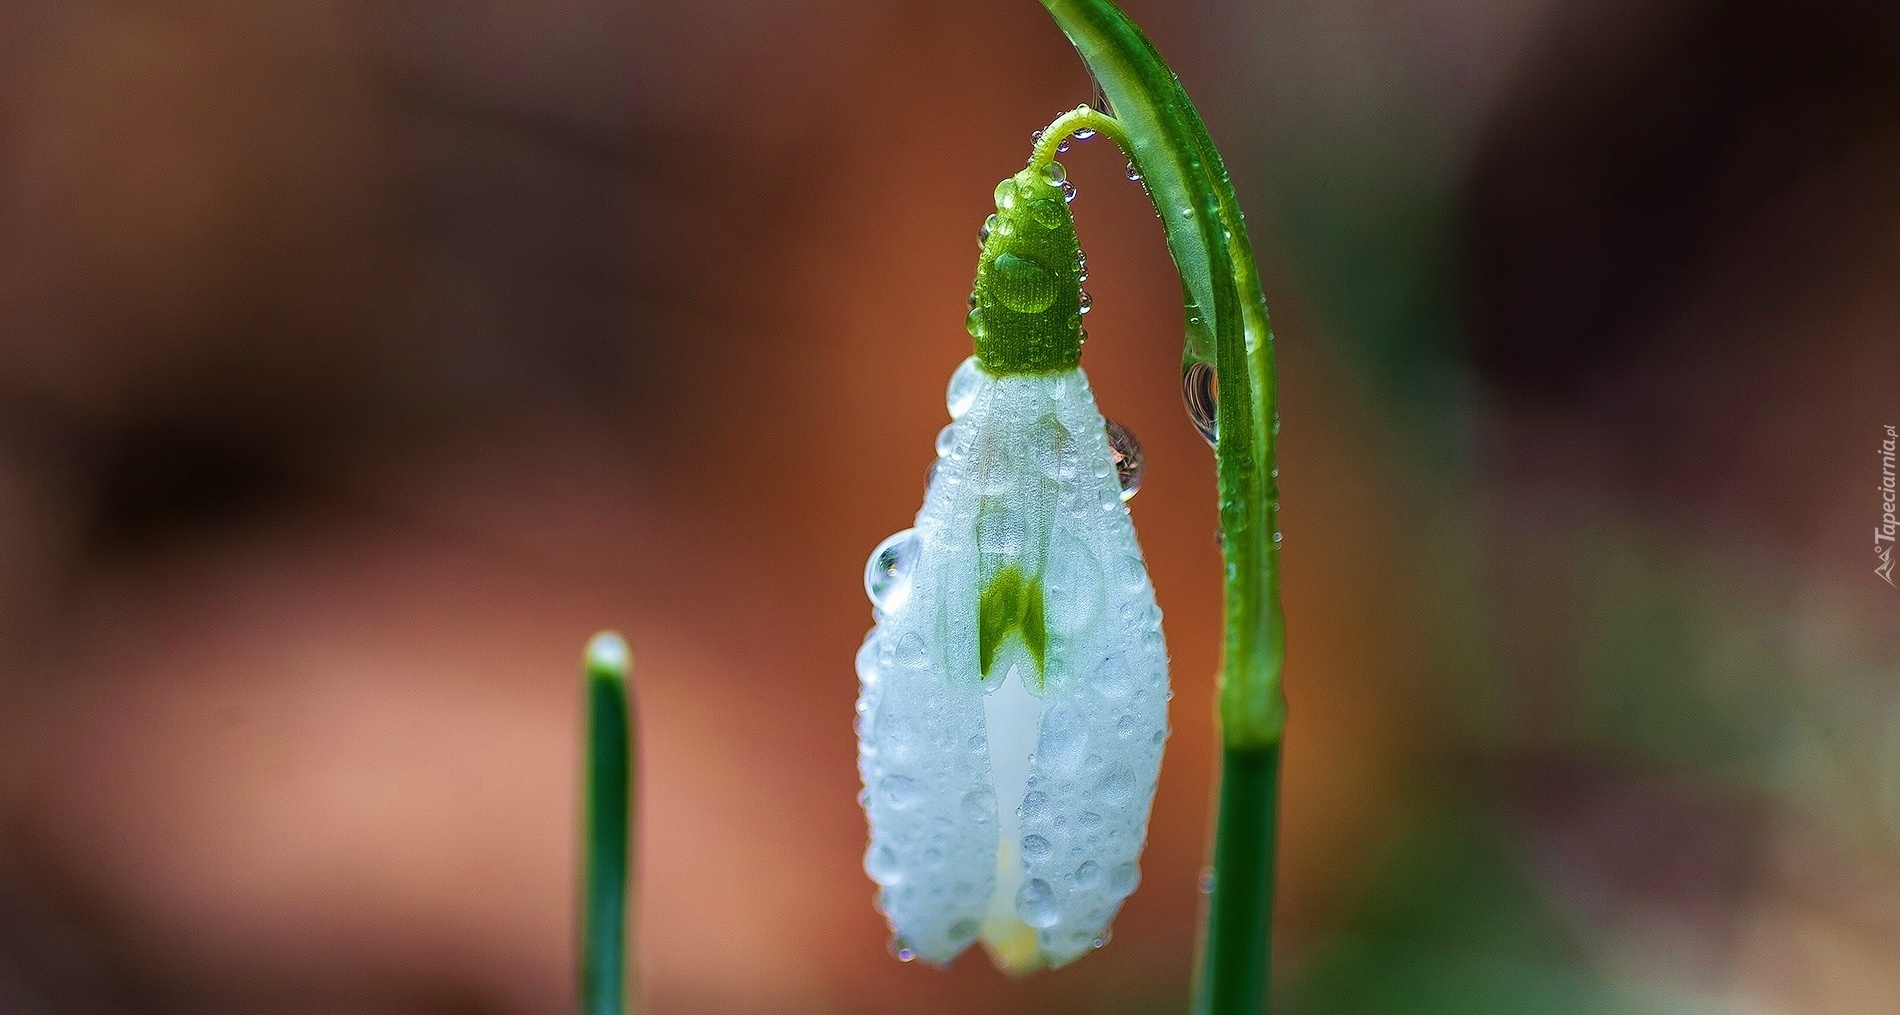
column 608, row 834
column 1073, row 122
column 1227, row 324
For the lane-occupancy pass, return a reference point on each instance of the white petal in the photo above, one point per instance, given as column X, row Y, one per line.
column 1028, row 480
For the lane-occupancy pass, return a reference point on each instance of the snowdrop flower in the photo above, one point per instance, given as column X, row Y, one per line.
column 1014, row 689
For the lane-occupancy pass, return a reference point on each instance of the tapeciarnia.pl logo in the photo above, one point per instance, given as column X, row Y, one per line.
column 1884, row 532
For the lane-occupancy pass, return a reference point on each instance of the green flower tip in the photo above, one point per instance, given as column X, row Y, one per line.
column 608, row 657
column 1027, row 314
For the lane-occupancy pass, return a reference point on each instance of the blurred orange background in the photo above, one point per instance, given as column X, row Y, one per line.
column 363, row 359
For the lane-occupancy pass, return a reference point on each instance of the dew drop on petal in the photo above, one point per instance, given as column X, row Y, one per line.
column 887, row 573
column 897, row 791
column 881, row 864
column 1125, row 451
column 1198, row 391
column 1036, row 904
column 964, row 384
column 946, row 439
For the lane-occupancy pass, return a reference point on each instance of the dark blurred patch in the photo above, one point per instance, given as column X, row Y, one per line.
column 168, row 480
column 1616, row 169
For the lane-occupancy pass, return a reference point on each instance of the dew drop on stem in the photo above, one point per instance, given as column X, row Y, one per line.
column 1198, row 392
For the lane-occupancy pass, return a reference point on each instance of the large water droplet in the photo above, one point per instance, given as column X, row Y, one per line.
column 1006, row 194
column 887, row 573
column 1198, row 390
column 1125, row 451
column 973, row 322
column 1055, row 174
column 1023, row 285
column 1047, row 212
column 946, row 439
column 964, row 384
column 1036, row 904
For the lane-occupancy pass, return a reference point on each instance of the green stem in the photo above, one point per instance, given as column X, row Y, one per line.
column 608, row 845
column 1227, row 324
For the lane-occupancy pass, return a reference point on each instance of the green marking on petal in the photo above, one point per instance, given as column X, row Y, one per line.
column 1035, row 636
column 1011, row 604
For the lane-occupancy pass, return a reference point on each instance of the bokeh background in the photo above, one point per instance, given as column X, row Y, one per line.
column 360, row 360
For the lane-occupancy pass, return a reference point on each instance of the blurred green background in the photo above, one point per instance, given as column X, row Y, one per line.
column 362, row 359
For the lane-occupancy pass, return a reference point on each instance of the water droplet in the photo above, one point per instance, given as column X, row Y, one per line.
column 1198, row 390
column 964, row 384
column 1032, row 806
column 1134, row 175
column 911, row 651
column 1059, row 746
column 881, row 864
column 1115, row 679
column 901, row 950
column 983, row 234
column 1187, row 212
column 1088, row 302
column 867, row 658
column 1125, row 451
column 1207, row 881
column 1055, row 174
column 972, row 299
column 1088, row 875
column 1062, row 146
column 1101, row 940
column 1277, row 536
column 897, row 791
column 1047, row 213
column 1036, row 904
column 979, row 805
column 946, row 439
column 887, row 573
column 1006, row 194
column 1036, row 849
column 1023, row 285
column 1068, row 191
column 1084, row 134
